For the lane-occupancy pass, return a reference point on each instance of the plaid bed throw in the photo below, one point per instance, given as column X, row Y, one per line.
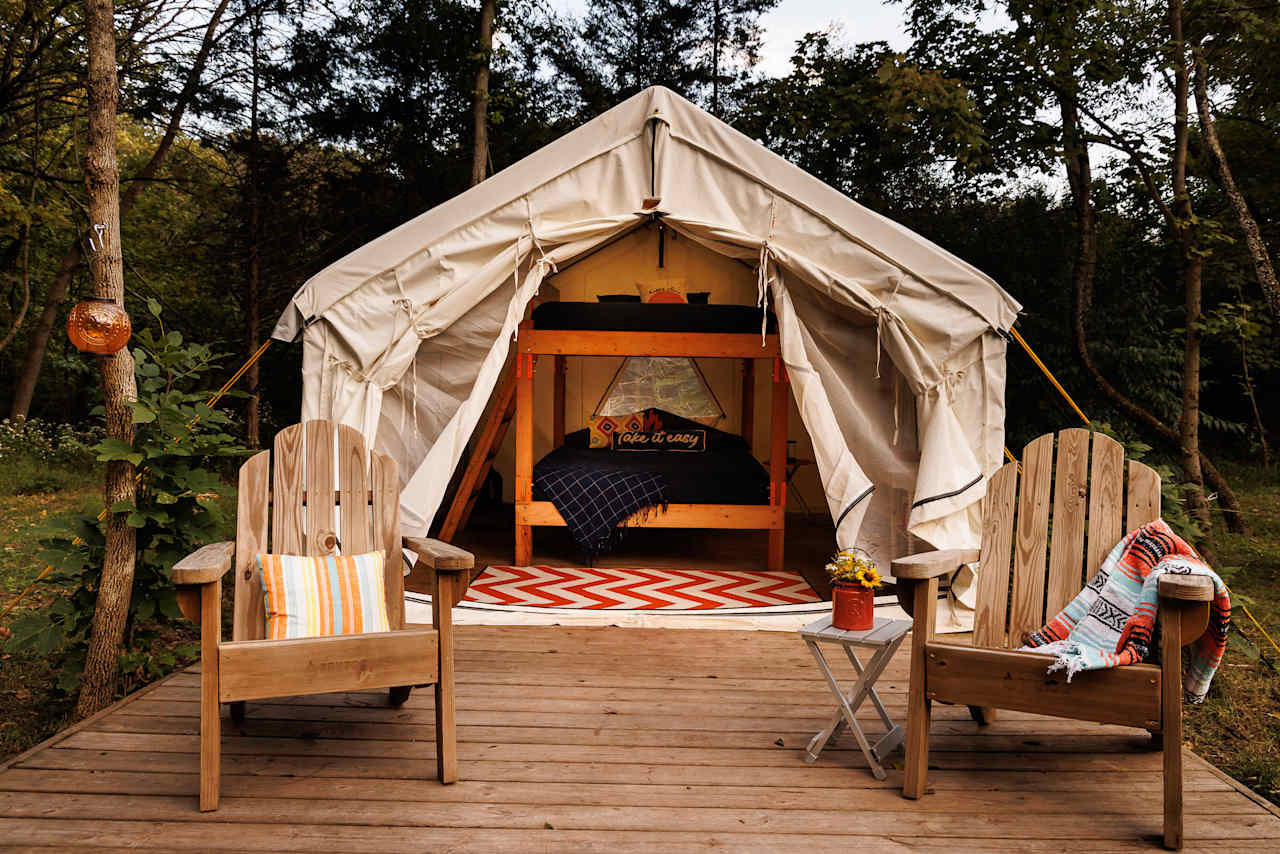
column 1112, row 621
column 594, row 499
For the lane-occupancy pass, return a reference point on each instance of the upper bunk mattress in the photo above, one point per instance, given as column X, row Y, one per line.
column 650, row 317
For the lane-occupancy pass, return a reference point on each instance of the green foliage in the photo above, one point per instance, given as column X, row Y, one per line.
column 703, row 50
column 868, row 121
column 180, row 447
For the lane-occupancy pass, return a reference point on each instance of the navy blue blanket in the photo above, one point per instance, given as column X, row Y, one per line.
column 593, row 499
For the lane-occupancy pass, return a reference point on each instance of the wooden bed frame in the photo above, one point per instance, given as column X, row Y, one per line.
column 562, row 343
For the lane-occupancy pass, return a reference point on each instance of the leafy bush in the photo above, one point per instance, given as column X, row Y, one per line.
column 179, row 450
column 44, row 442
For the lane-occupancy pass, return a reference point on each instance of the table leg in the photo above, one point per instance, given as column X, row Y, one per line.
column 860, row 690
column 829, row 732
column 879, row 661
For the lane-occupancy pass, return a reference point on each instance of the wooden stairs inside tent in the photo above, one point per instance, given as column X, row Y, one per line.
column 1088, row 494
column 486, row 449
column 301, row 504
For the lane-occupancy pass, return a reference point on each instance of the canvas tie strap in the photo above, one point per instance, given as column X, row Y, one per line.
column 762, row 291
column 762, row 274
column 542, row 259
column 533, row 236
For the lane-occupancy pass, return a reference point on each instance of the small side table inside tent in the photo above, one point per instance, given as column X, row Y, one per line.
column 883, row 639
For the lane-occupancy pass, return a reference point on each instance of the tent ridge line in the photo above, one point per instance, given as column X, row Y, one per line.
column 874, row 251
column 319, row 314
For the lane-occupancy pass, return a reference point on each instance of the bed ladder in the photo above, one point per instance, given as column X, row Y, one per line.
column 481, row 460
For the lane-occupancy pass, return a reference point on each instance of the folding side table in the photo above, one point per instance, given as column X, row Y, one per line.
column 883, row 638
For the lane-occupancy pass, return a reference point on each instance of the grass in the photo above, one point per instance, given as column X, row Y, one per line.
column 1238, row 726
column 32, row 496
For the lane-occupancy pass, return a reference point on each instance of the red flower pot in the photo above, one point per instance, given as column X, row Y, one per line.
column 853, row 607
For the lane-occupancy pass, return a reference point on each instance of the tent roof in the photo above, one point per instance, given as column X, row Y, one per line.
column 915, row 256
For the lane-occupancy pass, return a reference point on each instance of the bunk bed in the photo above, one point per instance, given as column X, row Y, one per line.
column 561, row 330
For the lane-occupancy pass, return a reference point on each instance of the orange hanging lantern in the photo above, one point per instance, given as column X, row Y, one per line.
column 99, row 325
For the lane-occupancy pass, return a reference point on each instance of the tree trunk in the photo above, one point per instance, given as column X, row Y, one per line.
column 24, row 390
column 1079, row 179
column 25, row 241
column 1262, row 268
column 1190, row 266
column 1075, row 156
column 715, row 59
column 106, row 266
column 253, row 285
column 480, row 97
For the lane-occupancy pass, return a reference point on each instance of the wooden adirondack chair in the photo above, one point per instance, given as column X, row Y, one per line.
column 366, row 492
column 1088, row 488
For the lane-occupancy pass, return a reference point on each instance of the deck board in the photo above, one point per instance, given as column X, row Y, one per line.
column 610, row 740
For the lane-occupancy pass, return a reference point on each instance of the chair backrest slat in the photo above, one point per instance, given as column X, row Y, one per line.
column 1106, row 501
column 1032, row 539
column 997, row 546
column 353, row 478
column 1070, row 499
column 287, row 533
column 248, row 621
column 321, row 487
column 1144, row 495
column 386, row 532
column 1089, row 477
column 304, row 460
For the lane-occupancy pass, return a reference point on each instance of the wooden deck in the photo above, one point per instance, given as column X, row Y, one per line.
column 610, row 740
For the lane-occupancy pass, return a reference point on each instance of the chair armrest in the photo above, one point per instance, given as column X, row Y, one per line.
column 440, row 556
column 1186, row 588
column 928, row 565
column 204, row 565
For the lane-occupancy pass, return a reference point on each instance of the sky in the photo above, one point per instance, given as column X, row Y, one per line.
column 861, row 20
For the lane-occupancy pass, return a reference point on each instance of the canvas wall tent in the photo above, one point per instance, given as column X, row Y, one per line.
column 405, row 338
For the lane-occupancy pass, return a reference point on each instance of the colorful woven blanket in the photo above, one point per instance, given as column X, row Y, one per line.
column 1112, row 621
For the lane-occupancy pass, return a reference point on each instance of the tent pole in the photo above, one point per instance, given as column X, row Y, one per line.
column 557, row 430
column 778, row 462
column 524, row 455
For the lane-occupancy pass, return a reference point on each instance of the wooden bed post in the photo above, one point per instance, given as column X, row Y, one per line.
column 748, row 426
column 778, row 462
column 557, row 432
column 524, row 455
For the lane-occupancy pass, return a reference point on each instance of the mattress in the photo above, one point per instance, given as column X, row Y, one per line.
column 650, row 317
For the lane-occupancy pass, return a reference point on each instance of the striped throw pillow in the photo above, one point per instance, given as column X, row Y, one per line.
column 308, row 597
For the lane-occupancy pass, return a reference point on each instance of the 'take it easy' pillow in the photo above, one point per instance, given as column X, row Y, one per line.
column 308, row 597
column 602, row 428
column 662, row 290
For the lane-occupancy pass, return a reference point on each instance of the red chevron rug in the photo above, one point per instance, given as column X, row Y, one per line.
column 636, row 589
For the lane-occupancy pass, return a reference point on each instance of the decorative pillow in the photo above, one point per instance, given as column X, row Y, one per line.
column 698, row 297
column 308, row 597
column 661, row 440
column 602, row 428
column 662, row 290
column 618, row 297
